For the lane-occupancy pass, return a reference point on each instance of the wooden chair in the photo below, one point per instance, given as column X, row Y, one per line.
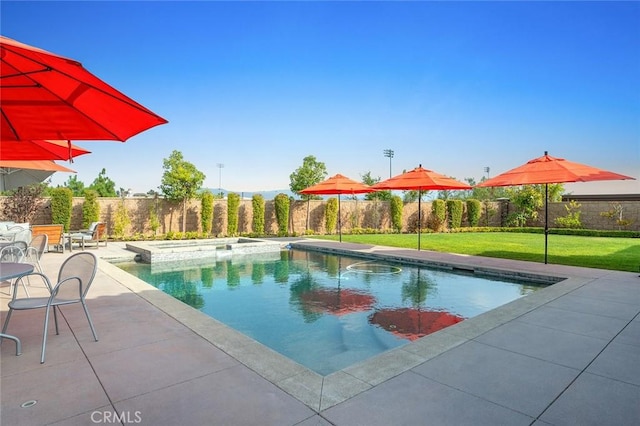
column 54, row 235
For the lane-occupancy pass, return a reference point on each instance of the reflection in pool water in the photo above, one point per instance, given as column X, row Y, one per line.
column 326, row 311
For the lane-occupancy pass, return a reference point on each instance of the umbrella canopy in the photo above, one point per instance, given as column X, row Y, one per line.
column 14, row 174
column 413, row 323
column 39, row 150
column 420, row 179
column 546, row 170
column 47, row 96
column 337, row 185
column 337, row 301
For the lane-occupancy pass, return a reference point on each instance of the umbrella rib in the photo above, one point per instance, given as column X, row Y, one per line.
column 13, row 129
column 22, row 74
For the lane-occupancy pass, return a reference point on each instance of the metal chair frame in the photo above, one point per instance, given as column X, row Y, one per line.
column 67, row 283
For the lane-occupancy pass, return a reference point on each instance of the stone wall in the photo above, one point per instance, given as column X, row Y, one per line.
column 354, row 214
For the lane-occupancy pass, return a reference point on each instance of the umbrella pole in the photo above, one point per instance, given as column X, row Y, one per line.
column 339, row 219
column 419, row 217
column 546, row 219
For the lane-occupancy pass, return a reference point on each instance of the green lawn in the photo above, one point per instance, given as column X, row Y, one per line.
column 621, row 254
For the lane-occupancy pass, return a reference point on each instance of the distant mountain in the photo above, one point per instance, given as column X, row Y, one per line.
column 268, row 195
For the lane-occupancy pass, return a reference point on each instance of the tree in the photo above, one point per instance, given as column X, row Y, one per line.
column 527, row 200
column 180, row 181
column 103, row 185
column 367, row 179
column 23, row 203
column 76, row 186
column 412, row 195
column 310, row 173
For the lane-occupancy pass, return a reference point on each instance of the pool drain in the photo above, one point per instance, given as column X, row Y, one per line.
column 28, row 404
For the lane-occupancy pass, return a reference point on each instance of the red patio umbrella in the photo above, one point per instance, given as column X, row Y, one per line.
column 546, row 170
column 337, row 185
column 39, row 150
column 420, row 179
column 337, row 301
column 413, row 323
column 47, row 96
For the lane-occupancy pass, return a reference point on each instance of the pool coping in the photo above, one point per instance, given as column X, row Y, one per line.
column 321, row 392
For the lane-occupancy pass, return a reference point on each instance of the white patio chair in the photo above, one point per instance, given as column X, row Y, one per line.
column 74, row 280
column 14, row 252
column 36, row 249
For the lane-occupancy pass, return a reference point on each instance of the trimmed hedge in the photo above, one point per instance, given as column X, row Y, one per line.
column 90, row 208
column 331, row 215
column 454, row 213
column 474, row 211
column 282, row 205
column 61, row 205
column 233, row 207
column 258, row 204
column 556, row 231
column 206, row 212
column 396, row 207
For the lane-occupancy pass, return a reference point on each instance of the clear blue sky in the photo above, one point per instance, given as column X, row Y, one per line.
column 257, row 86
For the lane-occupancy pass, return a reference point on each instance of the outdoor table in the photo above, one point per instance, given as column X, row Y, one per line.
column 9, row 270
column 70, row 236
column 4, row 243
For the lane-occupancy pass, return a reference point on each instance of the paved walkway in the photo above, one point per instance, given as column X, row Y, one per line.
column 567, row 354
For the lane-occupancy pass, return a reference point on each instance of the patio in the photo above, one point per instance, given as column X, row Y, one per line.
column 568, row 354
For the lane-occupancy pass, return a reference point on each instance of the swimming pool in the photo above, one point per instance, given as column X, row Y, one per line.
column 328, row 311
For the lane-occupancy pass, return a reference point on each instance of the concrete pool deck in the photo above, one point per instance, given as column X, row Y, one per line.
column 567, row 354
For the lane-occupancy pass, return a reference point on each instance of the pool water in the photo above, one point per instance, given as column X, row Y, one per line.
column 326, row 311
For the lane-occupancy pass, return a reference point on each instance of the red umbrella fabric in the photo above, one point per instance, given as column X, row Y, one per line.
column 420, row 179
column 336, row 185
column 47, row 96
column 39, row 150
column 337, row 301
column 413, row 323
column 546, row 170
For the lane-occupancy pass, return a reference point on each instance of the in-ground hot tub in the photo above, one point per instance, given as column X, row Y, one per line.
column 171, row 251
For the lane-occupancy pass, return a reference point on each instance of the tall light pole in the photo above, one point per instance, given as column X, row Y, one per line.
column 220, row 167
column 486, row 170
column 389, row 153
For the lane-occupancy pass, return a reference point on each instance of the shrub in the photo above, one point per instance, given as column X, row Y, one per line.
column 438, row 215
column 527, row 200
column 206, row 214
column 233, row 205
column 61, row 205
column 257, row 203
column 396, row 206
column 90, row 208
column 121, row 221
column 615, row 214
column 23, row 203
column 331, row 215
column 282, row 204
column 572, row 219
column 474, row 211
column 454, row 213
